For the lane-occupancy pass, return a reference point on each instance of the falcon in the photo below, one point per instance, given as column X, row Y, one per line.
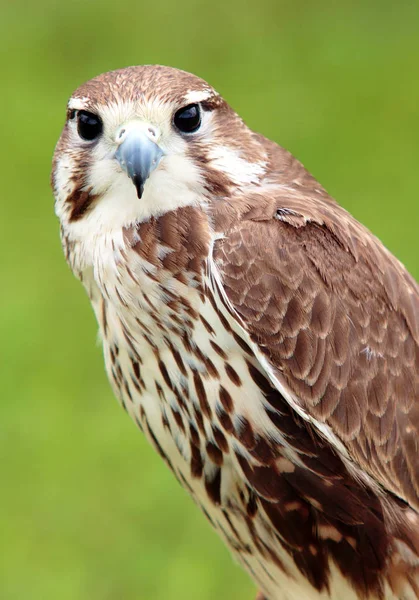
column 265, row 342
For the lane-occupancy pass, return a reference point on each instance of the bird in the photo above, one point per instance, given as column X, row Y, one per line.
column 264, row 341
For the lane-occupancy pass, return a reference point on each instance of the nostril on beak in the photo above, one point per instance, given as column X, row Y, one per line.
column 150, row 131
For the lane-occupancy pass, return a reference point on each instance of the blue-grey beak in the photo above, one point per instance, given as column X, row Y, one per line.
column 138, row 155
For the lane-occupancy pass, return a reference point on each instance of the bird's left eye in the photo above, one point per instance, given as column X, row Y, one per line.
column 89, row 125
column 188, row 118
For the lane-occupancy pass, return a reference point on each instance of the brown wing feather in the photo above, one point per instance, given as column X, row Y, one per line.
column 336, row 315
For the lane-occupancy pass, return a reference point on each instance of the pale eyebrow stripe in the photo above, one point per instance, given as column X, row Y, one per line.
column 198, row 95
column 77, row 103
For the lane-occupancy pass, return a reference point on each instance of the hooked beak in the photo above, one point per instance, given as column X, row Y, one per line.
column 138, row 154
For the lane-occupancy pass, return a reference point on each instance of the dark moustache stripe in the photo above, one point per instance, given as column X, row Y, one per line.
column 80, row 201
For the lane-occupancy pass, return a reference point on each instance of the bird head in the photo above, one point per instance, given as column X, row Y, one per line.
column 141, row 141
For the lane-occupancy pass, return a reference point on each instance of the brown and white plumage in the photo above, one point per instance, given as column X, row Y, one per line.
column 265, row 342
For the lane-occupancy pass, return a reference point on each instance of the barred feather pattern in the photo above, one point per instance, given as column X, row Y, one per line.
column 185, row 370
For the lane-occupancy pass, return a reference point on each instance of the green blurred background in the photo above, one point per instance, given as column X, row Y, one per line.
column 87, row 510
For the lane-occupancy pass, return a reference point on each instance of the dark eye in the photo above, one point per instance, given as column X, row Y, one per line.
column 89, row 125
column 188, row 118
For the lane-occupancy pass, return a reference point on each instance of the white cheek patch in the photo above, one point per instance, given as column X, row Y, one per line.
column 240, row 171
column 177, row 182
column 63, row 185
column 63, row 171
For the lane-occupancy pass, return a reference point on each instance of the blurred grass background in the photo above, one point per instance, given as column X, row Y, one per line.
column 87, row 510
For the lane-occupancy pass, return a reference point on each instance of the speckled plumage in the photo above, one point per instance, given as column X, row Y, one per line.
column 264, row 341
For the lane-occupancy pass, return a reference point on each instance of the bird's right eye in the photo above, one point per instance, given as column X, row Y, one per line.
column 89, row 125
